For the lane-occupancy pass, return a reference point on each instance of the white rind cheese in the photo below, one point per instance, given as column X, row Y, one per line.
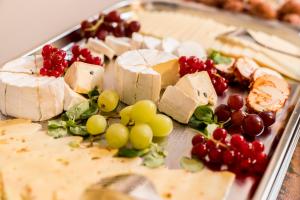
column 169, row 45
column 177, row 104
column 191, row 48
column 142, row 73
column 192, row 90
column 100, row 47
column 71, row 98
column 151, row 42
column 119, row 45
column 83, row 77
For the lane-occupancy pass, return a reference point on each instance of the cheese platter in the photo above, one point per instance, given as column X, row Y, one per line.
column 166, row 89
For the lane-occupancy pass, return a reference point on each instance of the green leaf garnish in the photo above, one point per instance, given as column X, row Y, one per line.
column 79, row 130
column 76, row 111
column 57, row 132
column 131, row 153
column 204, row 113
column 191, row 165
column 219, row 59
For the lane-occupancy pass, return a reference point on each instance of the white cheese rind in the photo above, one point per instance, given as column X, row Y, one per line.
column 119, row 45
column 169, row 45
column 151, row 42
column 83, row 77
column 27, row 65
column 100, row 47
column 177, row 104
column 190, row 48
column 199, row 87
column 71, row 98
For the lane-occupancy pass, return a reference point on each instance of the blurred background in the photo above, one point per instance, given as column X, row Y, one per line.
column 27, row 24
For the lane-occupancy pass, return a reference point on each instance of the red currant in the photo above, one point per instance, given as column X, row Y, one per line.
column 228, row 157
column 210, row 145
column 199, row 150
column 237, row 141
column 197, row 139
column 258, row 146
column 215, row 155
column 76, row 50
column 47, row 50
column 85, row 52
column 44, row 71
column 219, row 134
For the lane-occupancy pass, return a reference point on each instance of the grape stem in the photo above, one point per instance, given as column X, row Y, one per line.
column 212, row 139
column 96, row 26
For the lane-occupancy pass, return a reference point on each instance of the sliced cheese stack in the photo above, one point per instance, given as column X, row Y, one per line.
column 192, row 90
column 142, row 73
column 181, row 26
column 25, row 94
column 268, row 93
column 83, row 77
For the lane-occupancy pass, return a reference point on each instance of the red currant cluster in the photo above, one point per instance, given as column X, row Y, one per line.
column 239, row 121
column 54, row 63
column 193, row 64
column 111, row 23
column 84, row 55
column 234, row 152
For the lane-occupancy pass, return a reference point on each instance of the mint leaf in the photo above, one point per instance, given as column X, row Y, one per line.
column 191, row 165
column 76, row 111
column 57, row 123
column 57, row 132
column 155, row 157
column 93, row 93
column 93, row 109
column 219, row 59
column 78, row 130
column 131, row 153
column 205, row 114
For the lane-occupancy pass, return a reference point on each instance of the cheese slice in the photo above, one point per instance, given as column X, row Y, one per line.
column 137, row 40
column 169, row 45
column 177, row 104
column 28, row 65
column 83, row 77
column 198, row 86
column 191, row 48
column 119, row 45
column 100, row 47
column 71, row 98
column 142, row 73
column 151, row 42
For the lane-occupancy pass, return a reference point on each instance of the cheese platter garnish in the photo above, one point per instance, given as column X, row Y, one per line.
column 128, row 87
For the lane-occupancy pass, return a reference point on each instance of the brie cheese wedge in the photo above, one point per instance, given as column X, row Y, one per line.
column 71, row 98
column 119, row 45
column 28, row 65
column 151, row 42
column 169, row 45
column 142, row 73
column 191, row 91
column 100, row 47
column 137, row 40
column 177, row 104
column 191, row 48
column 30, row 96
column 83, row 77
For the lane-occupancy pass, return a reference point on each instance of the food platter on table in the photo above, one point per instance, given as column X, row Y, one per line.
column 217, row 85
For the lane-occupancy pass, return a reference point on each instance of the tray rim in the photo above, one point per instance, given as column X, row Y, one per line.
column 271, row 182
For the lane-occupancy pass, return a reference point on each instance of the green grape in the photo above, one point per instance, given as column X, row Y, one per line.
column 96, row 124
column 143, row 111
column 125, row 115
column 161, row 125
column 108, row 100
column 140, row 136
column 117, row 135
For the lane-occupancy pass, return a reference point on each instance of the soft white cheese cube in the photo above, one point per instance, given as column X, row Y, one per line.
column 83, row 77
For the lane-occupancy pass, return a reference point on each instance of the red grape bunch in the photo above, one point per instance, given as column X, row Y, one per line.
column 193, row 64
column 241, row 122
column 84, row 55
column 109, row 24
column 54, row 63
column 232, row 152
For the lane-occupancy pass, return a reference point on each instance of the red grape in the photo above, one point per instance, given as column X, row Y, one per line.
column 134, row 26
column 223, row 113
column 113, row 16
column 219, row 134
column 119, row 30
column 237, row 117
column 235, row 102
column 253, row 125
column 198, row 139
column 101, row 34
column 268, row 117
column 199, row 150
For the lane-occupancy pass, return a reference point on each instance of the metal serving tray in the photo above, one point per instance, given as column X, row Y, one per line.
column 282, row 140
